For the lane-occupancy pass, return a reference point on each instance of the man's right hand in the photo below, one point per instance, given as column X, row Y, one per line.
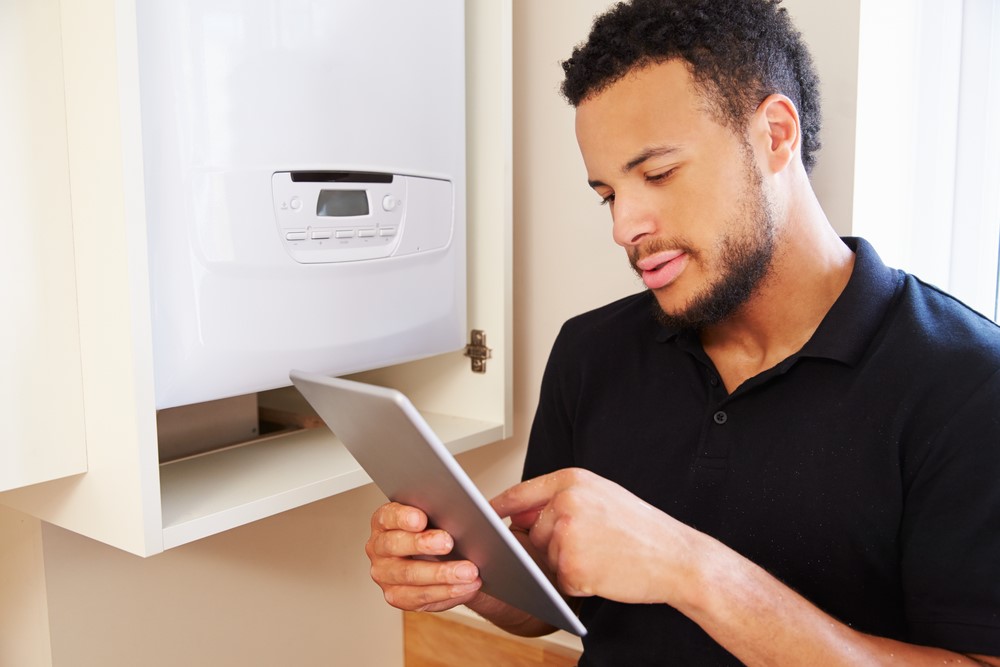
column 402, row 552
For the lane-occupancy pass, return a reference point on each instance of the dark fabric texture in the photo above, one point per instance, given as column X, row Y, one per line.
column 863, row 471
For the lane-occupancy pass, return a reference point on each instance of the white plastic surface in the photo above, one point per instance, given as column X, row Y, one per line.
column 231, row 98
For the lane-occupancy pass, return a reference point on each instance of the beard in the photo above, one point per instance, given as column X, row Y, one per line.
column 745, row 255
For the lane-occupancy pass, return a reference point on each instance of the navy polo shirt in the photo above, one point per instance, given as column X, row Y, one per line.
column 862, row 471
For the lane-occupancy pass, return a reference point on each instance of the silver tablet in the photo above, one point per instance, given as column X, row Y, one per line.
column 396, row 447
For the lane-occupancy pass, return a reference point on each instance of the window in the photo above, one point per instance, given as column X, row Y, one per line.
column 975, row 274
column 927, row 176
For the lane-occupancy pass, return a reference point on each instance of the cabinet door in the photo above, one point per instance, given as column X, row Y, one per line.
column 41, row 396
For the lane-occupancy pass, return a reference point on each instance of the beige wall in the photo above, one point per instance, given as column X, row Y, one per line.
column 832, row 31
column 24, row 627
column 289, row 590
column 294, row 589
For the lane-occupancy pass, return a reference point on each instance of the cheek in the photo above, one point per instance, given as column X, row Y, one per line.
column 713, row 210
column 698, row 199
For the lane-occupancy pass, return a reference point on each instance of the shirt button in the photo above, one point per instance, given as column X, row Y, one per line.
column 713, row 380
column 720, row 417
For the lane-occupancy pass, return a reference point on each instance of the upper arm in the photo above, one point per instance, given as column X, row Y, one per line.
column 950, row 542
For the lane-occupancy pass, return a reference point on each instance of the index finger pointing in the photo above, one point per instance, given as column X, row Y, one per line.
column 530, row 495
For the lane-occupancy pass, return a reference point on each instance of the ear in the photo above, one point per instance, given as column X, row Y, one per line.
column 775, row 126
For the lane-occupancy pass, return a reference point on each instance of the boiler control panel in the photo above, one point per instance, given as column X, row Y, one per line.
column 341, row 216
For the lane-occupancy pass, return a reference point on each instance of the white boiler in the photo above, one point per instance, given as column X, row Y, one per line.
column 304, row 167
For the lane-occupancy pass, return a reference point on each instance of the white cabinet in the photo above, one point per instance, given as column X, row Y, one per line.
column 87, row 388
column 41, row 396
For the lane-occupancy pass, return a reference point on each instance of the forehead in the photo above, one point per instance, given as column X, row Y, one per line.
column 656, row 104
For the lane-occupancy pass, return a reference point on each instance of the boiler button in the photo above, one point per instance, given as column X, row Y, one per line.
column 344, row 233
column 296, row 203
column 387, row 231
column 322, row 234
column 296, row 236
column 389, row 202
column 366, row 233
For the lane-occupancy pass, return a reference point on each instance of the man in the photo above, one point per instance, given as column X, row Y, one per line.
column 796, row 461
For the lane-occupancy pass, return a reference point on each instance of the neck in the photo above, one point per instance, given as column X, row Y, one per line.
column 810, row 268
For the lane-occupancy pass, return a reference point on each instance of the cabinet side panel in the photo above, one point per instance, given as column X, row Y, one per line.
column 117, row 501
column 41, row 396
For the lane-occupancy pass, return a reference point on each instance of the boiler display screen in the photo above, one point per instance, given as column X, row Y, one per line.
column 342, row 203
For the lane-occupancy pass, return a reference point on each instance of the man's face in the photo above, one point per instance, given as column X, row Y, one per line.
column 685, row 194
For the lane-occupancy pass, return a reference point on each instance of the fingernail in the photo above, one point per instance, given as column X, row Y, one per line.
column 466, row 572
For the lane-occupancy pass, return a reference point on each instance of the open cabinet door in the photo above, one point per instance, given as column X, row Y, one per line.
column 41, row 393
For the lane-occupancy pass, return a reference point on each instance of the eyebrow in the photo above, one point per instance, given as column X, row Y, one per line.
column 646, row 154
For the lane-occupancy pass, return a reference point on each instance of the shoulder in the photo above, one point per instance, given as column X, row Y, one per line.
column 910, row 329
column 937, row 367
column 939, row 327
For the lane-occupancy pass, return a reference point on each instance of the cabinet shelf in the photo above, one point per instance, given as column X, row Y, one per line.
column 206, row 494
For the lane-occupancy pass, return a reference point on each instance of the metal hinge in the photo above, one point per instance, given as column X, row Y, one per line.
column 478, row 352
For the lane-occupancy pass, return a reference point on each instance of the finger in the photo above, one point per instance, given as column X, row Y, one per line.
column 396, row 516
column 430, row 598
column 400, row 543
column 421, row 573
column 530, row 495
column 525, row 520
column 541, row 531
column 547, row 537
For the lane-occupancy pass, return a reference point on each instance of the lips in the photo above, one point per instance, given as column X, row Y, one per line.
column 662, row 268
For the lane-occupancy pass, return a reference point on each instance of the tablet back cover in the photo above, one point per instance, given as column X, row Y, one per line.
column 403, row 456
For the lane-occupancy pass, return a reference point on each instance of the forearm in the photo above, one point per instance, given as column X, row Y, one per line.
column 763, row 622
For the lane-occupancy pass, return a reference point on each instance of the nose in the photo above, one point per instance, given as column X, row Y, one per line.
column 633, row 221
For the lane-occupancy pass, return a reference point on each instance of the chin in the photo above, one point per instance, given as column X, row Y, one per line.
column 669, row 311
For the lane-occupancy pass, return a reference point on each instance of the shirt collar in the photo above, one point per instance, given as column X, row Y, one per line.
column 851, row 322
column 856, row 315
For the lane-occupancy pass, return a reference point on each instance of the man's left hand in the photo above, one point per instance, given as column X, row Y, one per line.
column 600, row 539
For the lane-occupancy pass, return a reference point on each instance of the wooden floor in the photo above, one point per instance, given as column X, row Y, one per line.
column 434, row 640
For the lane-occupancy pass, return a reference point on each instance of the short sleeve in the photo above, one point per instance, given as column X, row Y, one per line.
column 950, row 532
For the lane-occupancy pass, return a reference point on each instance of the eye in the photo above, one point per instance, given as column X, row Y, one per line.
column 610, row 199
column 660, row 176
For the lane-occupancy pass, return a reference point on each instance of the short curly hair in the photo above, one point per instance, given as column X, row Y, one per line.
column 738, row 52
